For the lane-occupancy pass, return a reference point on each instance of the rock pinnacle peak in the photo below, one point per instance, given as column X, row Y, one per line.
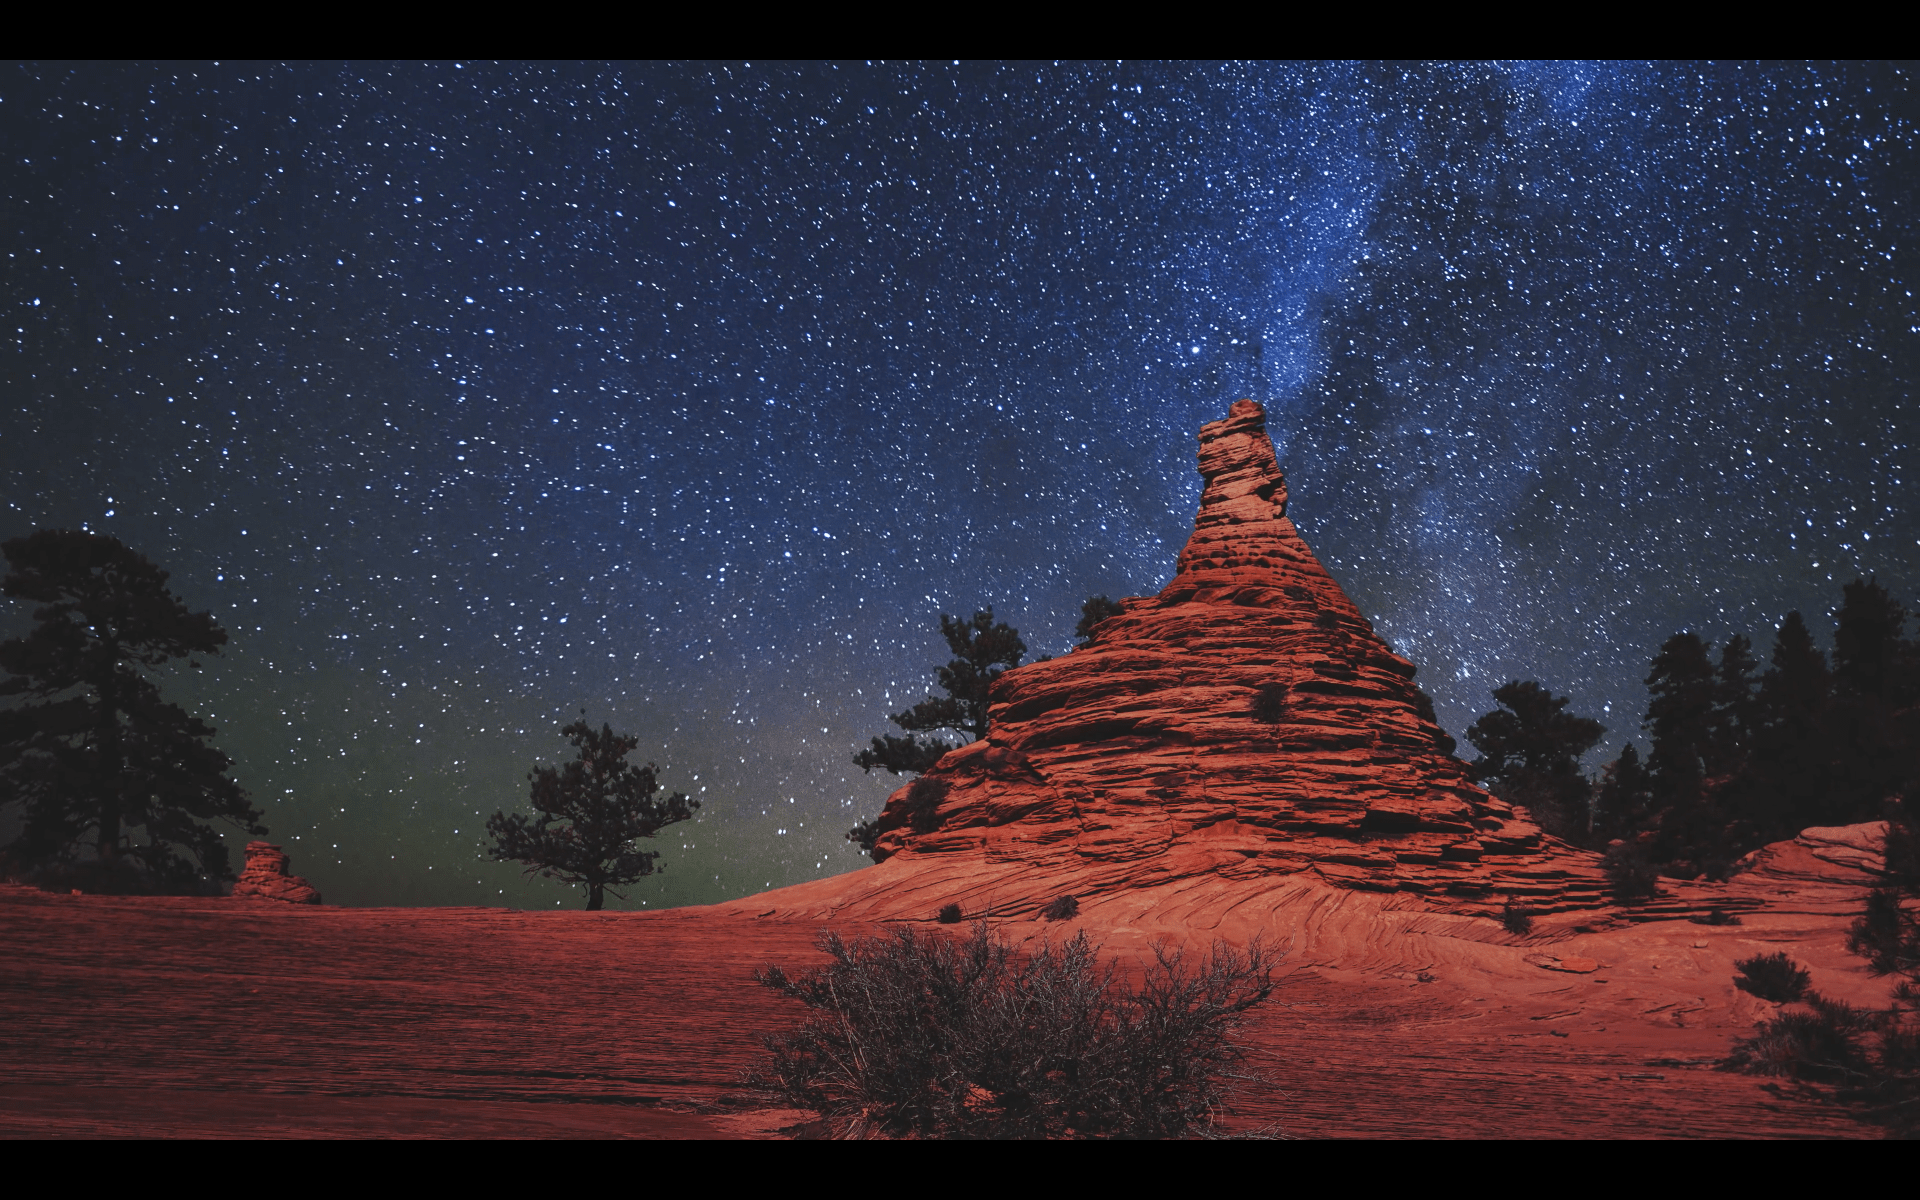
column 1245, row 722
column 1243, row 549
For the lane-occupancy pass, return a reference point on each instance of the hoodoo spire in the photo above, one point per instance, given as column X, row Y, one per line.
column 1244, row 722
column 1243, row 549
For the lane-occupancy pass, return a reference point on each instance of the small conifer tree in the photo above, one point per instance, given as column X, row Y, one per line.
column 1530, row 754
column 1094, row 611
column 982, row 649
column 589, row 814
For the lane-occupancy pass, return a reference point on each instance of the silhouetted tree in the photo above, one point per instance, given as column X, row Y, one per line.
column 1094, row 611
column 1738, row 762
column 1873, row 681
column 590, row 812
column 96, row 753
column 1621, row 802
column 1683, row 692
column 864, row 835
column 982, row 650
column 1784, row 789
column 1735, row 709
column 1530, row 754
column 1689, row 714
column 1867, row 646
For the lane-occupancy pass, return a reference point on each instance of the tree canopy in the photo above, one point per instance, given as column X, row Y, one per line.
column 982, row 649
column 589, row 813
column 94, row 753
column 1530, row 754
column 1738, row 761
column 1094, row 611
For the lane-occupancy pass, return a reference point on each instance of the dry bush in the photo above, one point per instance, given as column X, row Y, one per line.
column 1516, row 920
column 1868, row 1060
column 1630, row 875
column 1821, row 1043
column 923, row 1035
column 1061, row 908
column 1771, row 977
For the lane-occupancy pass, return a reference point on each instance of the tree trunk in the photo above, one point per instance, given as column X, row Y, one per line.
column 596, row 897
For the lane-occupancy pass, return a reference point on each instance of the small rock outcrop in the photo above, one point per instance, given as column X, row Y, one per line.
column 266, row 878
column 1245, row 722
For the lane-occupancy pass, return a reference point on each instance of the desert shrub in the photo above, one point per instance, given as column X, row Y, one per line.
column 1061, row 908
column 1887, row 934
column 1516, row 920
column 1629, row 874
column 1771, row 977
column 1270, row 703
column 1818, row 1043
column 1826, row 1048
column 923, row 804
column 918, row 1034
column 949, row 914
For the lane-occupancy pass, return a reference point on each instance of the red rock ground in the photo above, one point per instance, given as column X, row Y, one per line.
column 203, row 1017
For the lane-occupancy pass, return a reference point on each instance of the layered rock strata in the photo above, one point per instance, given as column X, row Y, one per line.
column 266, row 878
column 1247, row 722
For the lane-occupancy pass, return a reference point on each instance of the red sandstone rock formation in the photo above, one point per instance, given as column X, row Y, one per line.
column 266, row 877
column 1246, row 722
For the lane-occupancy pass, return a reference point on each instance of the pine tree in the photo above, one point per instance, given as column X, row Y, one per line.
column 1867, row 647
column 1794, row 691
column 1686, row 714
column 1531, row 748
column 1094, row 611
column 1791, row 764
column 982, row 649
column 1872, row 682
column 1683, row 694
column 1620, row 807
column 590, row 812
column 97, row 754
column 1734, row 709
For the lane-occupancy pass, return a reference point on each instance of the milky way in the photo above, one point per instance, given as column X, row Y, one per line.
column 468, row 396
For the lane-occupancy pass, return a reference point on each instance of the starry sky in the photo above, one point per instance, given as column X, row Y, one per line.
column 468, row 396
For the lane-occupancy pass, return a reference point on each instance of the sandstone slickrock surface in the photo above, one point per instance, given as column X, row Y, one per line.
column 266, row 878
column 178, row 1016
column 1246, row 722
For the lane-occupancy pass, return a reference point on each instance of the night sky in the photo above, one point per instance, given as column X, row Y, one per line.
column 467, row 396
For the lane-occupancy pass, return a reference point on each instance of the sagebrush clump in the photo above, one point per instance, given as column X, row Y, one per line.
column 949, row 914
column 1716, row 916
column 1771, row 977
column 1061, row 908
column 1629, row 874
column 1516, row 920
column 918, row 1034
column 1821, row 1043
